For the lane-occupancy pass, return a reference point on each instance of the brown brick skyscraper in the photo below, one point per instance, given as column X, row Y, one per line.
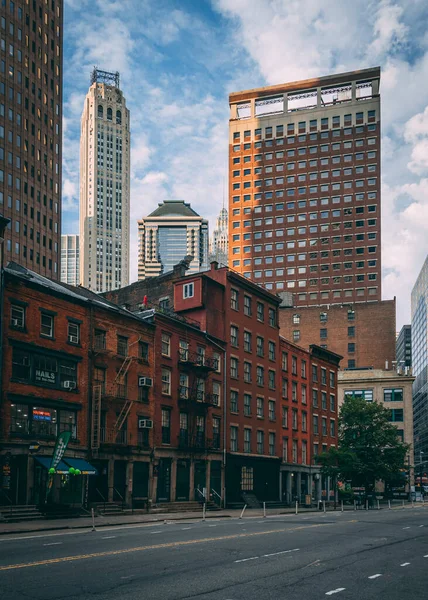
column 304, row 188
column 31, row 132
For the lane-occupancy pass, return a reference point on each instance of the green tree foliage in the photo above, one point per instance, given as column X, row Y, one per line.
column 368, row 449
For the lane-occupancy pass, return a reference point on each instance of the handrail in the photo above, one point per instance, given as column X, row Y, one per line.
column 201, row 493
column 9, row 500
column 120, row 496
column 100, row 494
column 214, row 493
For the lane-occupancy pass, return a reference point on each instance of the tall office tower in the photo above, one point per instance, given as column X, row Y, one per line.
column 304, row 180
column 219, row 242
column 168, row 234
column 104, row 185
column 31, row 133
column 403, row 354
column 70, row 259
column 419, row 306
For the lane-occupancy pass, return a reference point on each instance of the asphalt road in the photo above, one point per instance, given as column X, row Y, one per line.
column 352, row 555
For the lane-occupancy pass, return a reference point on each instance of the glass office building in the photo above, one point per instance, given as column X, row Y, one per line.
column 420, row 362
column 167, row 235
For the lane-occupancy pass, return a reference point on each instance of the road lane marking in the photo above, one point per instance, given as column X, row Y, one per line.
column 404, row 564
column 185, row 528
column 108, row 537
column 406, row 527
column 282, row 552
column 156, row 532
column 157, row 546
column 420, row 525
column 53, row 544
column 425, row 555
column 246, row 559
column 212, row 525
column 331, row 592
column 375, row 576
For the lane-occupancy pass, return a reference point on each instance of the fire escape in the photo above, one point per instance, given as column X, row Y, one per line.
column 194, row 401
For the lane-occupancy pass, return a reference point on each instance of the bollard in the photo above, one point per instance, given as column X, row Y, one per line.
column 323, row 505
column 355, row 505
column 378, row 504
column 367, row 505
column 264, row 510
column 243, row 510
column 389, row 504
column 403, row 503
column 93, row 519
column 297, row 507
column 413, row 505
column 341, row 505
column 203, row 511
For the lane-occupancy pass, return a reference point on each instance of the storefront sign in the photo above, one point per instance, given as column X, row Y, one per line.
column 45, row 376
column 41, row 415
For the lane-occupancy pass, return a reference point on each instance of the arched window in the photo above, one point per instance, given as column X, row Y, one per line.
column 109, row 114
column 118, row 117
column 100, row 111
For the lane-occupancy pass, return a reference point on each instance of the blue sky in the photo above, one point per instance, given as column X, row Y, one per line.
column 178, row 60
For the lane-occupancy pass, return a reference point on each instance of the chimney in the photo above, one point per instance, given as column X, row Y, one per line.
column 214, row 265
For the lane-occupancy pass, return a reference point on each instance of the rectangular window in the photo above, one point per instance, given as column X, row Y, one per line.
column 260, row 376
column 166, row 344
column 234, row 368
column 315, row 424
column 233, row 335
column 166, row 426
column 315, row 398
column 260, row 311
column 271, row 444
column 272, row 351
column 260, row 442
column 285, row 417
column 304, row 452
column 247, row 305
column 332, row 402
column 284, row 361
column 271, row 407
column 260, row 346
column 122, row 345
column 73, row 333
column 234, row 303
column 247, row 440
column 396, row 415
column 271, row 379
column 304, row 421
column 188, row 290
column 393, row 395
column 247, row 405
column 234, row 439
column 234, row 401
column 17, row 316
column 294, row 451
column 247, row 372
column 332, row 427
column 47, row 325
column 247, row 341
column 260, row 407
column 166, row 382
column 294, row 419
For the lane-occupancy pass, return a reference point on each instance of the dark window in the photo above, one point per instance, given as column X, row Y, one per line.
column 143, row 348
column 122, row 345
column 166, row 426
column 47, row 325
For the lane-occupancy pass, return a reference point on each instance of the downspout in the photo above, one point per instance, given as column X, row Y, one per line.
column 224, row 412
column 90, row 374
column 2, row 279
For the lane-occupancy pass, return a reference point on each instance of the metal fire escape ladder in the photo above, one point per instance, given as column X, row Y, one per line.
column 96, row 417
column 128, row 403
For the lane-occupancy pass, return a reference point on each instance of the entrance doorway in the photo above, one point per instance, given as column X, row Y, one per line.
column 164, row 480
column 183, row 480
column 200, row 479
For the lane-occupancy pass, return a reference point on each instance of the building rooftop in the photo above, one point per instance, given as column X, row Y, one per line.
column 174, row 208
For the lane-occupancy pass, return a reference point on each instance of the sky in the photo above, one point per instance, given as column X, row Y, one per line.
column 178, row 61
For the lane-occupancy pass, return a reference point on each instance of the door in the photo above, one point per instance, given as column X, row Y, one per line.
column 164, row 480
column 140, row 480
column 183, row 480
column 98, row 484
column 215, row 483
column 200, row 479
column 119, row 485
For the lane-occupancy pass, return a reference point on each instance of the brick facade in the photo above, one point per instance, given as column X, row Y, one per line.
column 363, row 333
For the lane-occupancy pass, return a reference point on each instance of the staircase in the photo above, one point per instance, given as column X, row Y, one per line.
column 20, row 512
column 107, row 509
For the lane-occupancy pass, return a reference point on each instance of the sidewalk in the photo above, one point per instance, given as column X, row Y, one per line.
column 130, row 519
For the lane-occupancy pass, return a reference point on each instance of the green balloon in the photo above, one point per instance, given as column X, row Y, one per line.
column 51, row 471
column 71, row 471
column 77, row 472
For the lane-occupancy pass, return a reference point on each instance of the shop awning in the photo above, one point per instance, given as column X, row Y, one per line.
column 45, row 461
column 79, row 463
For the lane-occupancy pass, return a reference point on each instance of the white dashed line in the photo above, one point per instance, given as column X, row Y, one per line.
column 156, row 532
column 282, row 552
column 108, row 537
column 246, row 559
column 406, row 527
column 185, row 528
column 212, row 525
column 127, row 576
column 375, row 576
column 331, row 592
column 404, row 564
column 425, row 555
column 420, row 525
column 53, row 544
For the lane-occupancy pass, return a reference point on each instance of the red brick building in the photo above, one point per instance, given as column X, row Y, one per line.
column 363, row 333
column 72, row 362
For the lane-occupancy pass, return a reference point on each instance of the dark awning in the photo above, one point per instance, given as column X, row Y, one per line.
column 46, row 461
column 79, row 463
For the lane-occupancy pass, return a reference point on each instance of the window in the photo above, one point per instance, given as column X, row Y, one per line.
column 285, row 417
column 323, row 376
column 188, row 290
column 396, row 415
column 247, row 372
column 324, row 425
column 166, row 426
column 294, row 451
column 272, row 352
column 332, row 402
column 234, row 401
column 332, row 427
column 284, row 361
column 271, row 379
column 166, row 344
column 294, row 391
column 393, row 395
column 234, row 304
column 351, row 347
column 17, row 316
column 47, row 325
column 324, row 400
column 247, row 305
column 304, row 394
column 233, row 335
column 315, row 398
column 247, row 341
column 73, row 333
column 260, row 408
column 247, row 440
column 332, row 379
column 260, row 346
column 260, row 375
column 304, row 421
column 122, row 345
column 234, row 439
column 216, row 395
column 271, row 443
column 304, row 452
column 272, row 317
column 296, row 319
column 366, row 395
column 234, row 368
column 166, row 382
column 143, row 350
column 100, row 339
column 303, row 368
column 271, row 408
column 296, row 335
column 260, row 442
column 247, row 405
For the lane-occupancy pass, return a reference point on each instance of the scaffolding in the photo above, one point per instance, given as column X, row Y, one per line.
column 107, row 77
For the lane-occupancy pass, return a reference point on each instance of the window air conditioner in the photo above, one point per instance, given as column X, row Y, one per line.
column 145, row 382
column 145, row 424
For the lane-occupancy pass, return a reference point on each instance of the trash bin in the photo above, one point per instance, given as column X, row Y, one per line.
column 308, row 500
column 320, row 506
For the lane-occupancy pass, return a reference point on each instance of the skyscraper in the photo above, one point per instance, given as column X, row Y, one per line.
column 70, row 259
column 304, row 184
column 104, row 185
column 219, row 242
column 168, row 234
column 419, row 306
column 404, row 347
column 31, row 133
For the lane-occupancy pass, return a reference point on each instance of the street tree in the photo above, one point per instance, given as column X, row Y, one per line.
column 368, row 449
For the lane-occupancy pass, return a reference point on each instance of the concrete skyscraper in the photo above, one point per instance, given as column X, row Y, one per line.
column 31, row 133
column 70, row 259
column 219, row 242
column 167, row 235
column 104, row 185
